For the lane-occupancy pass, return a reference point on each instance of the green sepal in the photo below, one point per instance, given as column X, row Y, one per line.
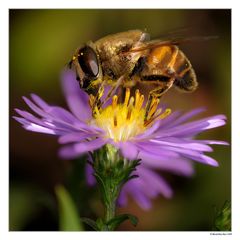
column 116, row 221
column 101, row 184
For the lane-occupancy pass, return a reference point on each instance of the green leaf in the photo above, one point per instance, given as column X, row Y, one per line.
column 68, row 214
column 90, row 223
column 101, row 225
column 223, row 218
column 115, row 222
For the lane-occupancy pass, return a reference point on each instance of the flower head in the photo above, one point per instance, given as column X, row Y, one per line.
column 123, row 121
column 160, row 140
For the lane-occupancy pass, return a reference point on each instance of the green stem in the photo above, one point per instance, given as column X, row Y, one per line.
column 112, row 189
column 110, row 210
column 112, row 171
column 109, row 198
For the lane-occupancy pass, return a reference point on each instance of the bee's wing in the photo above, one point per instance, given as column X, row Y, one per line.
column 174, row 33
column 175, row 41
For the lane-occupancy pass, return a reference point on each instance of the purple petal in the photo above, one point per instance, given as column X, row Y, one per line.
column 122, row 198
column 34, row 107
column 171, row 118
column 75, row 137
column 181, row 143
column 179, row 166
column 182, row 151
column 78, row 149
column 33, row 119
column 89, row 172
column 91, row 181
column 157, row 183
column 204, row 159
column 90, row 146
column 193, row 127
column 151, row 148
column 194, row 155
column 68, row 152
column 39, row 101
column 54, row 111
column 215, row 122
column 76, row 98
column 34, row 127
column 149, row 131
column 148, row 185
column 128, row 150
column 186, row 116
column 132, row 188
column 60, row 117
column 214, row 142
column 58, row 129
column 47, row 116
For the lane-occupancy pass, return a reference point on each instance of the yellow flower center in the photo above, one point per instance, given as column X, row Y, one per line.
column 122, row 121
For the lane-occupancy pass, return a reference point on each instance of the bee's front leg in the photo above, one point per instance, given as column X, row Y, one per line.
column 113, row 89
column 95, row 100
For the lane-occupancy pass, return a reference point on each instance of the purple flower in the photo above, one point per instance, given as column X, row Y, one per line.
column 163, row 141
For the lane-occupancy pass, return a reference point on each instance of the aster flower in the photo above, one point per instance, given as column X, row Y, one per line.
column 161, row 140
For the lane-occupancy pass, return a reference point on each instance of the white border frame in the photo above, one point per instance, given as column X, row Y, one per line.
column 4, row 110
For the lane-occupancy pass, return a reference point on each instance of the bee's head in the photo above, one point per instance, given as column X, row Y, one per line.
column 87, row 67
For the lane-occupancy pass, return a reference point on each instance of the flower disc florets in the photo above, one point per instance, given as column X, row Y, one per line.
column 121, row 121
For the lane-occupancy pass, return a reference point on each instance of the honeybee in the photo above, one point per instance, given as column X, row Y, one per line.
column 127, row 58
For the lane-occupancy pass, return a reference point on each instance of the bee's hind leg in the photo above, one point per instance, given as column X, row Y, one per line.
column 156, row 94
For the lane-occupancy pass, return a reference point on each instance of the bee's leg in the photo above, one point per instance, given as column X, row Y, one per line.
column 113, row 90
column 157, row 93
column 95, row 101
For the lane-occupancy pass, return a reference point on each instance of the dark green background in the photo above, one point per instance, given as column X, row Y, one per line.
column 42, row 42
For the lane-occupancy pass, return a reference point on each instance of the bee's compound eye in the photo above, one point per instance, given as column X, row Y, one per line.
column 88, row 61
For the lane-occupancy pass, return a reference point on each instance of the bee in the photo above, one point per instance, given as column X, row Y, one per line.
column 127, row 58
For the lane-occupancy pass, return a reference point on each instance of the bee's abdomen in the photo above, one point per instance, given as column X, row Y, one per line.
column 161, row 57
column 187, row 82
column 169, row 62
column 185, row 75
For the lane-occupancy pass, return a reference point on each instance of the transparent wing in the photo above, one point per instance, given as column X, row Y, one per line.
column 176, row 41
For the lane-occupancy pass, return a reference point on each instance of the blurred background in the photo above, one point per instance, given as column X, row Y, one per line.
column 41, row 43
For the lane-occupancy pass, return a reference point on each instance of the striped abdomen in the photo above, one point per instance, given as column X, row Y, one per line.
column 166, row 62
